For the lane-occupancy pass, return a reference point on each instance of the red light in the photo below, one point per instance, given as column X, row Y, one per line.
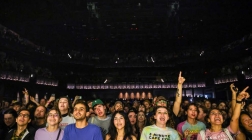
column 136, row 28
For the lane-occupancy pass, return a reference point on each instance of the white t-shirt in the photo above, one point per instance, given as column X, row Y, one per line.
column 156, row 133
column 66, row 121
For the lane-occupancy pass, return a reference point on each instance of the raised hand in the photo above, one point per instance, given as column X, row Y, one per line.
column 243, row 94
column 52, row 98
column 25, row 91
column 233, row 88
column 32, row 99
column 181, row 79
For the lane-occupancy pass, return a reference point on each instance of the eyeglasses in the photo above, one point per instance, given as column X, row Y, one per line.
column 24, row 115
column 53, row 115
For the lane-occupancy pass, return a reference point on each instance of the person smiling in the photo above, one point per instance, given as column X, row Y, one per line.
column 22, row 131
column 159, row 130
column 215, row 120
column 52, row 131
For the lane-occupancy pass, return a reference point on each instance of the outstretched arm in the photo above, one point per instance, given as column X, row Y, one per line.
column 234, row 92
column 178, row 98
column 234, row 123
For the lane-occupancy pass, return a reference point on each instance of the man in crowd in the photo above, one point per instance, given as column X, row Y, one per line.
column 17, row 106
column 10, row 116
column 22, row 131
column 39, row 116
column 82, row 130
column 101, row 119
column 118, row 105
column 207, row 104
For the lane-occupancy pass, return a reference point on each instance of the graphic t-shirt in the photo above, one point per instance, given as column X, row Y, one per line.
column 193, row 129
column 66, row 120
column 221, row 135
column 155, row 133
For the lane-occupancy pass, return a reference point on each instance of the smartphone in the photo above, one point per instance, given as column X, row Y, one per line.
column 53, row 95
column 80, row 97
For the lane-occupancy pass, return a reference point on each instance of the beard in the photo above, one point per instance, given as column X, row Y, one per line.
column 39, row 117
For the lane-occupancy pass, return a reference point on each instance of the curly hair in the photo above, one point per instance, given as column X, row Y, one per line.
column 127, row 128
column 169, row 123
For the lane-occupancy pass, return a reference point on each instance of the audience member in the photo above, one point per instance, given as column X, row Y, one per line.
column 52, row 130
column 82, row 130
column 22, row 131
column 120, row 128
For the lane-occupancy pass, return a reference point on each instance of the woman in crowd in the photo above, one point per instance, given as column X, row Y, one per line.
column 190, row 128
column 245, row 123
column 65, row 110
column 215, row 120
column 159, row 130
column 132, row 114
column 52, row 131
column 141, row 121
column 120, row 127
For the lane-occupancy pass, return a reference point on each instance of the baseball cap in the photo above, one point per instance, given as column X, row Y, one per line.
column 97, row 102
column 159, row 98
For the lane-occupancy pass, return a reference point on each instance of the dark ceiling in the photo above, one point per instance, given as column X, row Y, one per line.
column 131, row 40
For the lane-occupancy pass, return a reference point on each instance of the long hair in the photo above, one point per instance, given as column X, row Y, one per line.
column 242, row 128
column 69, row 105
column 127, row 128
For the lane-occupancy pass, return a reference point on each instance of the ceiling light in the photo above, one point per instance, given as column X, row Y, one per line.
column 69, row 56
column 162, row 80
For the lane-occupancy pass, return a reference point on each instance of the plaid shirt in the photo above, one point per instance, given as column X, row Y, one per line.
column 15, row 137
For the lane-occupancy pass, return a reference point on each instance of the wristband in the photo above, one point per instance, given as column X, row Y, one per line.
column 238, row 102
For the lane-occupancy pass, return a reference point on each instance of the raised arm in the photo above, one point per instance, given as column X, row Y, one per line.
column 34, row 101
column 234, row 123
column 178, row 98
column 75, row 99
column 51, row 99
column 234, row 92
column 26, row 96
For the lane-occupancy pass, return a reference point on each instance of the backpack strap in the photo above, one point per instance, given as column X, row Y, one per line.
column 228, row 134
column 203, row 134
column 58, row 134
